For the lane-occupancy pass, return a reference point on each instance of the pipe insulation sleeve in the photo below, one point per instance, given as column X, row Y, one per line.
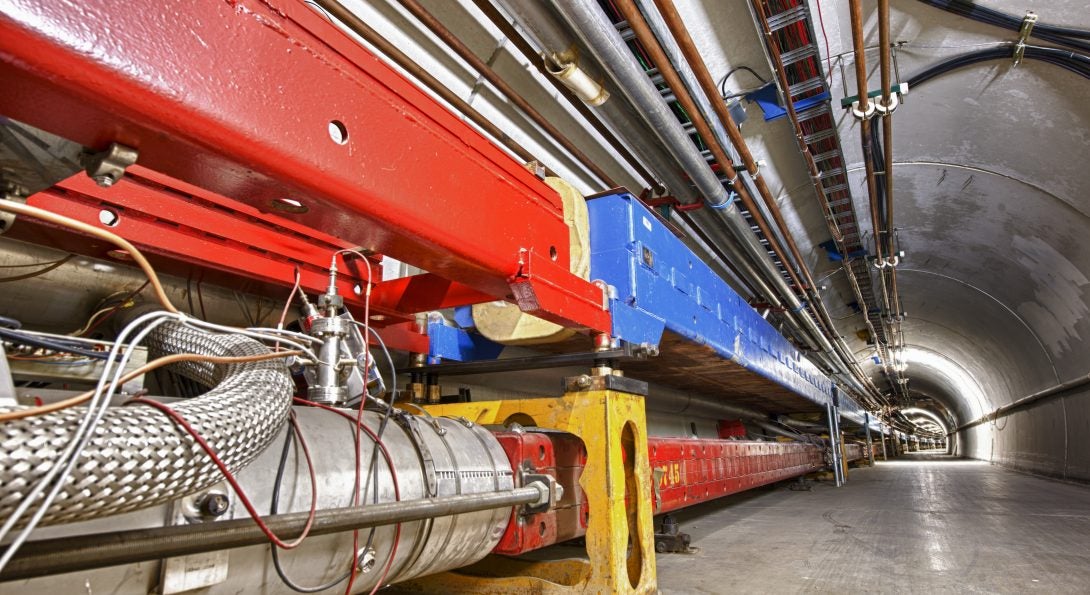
column 138, row 458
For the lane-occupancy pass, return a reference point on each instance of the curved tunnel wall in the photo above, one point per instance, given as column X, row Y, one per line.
column 990, row 180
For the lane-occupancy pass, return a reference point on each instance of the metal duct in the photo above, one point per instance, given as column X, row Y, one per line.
column 139, row 458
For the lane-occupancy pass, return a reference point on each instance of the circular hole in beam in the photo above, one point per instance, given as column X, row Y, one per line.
column 338, row 132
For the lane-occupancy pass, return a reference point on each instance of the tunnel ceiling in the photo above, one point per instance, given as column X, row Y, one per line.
column 989, row 178
column 990, row 167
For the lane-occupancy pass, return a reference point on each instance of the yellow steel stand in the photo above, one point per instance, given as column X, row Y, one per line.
column 613, row 428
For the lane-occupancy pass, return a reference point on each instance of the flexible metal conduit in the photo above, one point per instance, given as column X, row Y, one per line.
column 139, row 458
column 98, row 550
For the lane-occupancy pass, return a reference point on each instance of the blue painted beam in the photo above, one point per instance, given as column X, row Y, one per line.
column 660, row 284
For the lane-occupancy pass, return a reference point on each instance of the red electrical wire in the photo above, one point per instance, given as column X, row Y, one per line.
column 393, row 477
column 359, row 412
column 230, row 477
column 828, row 52
column 115, row 309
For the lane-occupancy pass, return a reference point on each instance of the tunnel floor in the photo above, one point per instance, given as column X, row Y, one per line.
column 929, row 523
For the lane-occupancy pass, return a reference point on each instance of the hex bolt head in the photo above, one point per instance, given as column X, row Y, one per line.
column 215, row 504
column 104, row 181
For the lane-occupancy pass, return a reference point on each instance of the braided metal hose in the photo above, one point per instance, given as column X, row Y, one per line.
column 137, row 457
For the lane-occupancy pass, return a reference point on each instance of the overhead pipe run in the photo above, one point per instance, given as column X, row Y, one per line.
column 1005, row 410
column 680, row 34
column 865, row 110
column 857, row 375
column 603, row 40
column 356, row 25
column 673, row 81
column 542, row 28
column 447, row 37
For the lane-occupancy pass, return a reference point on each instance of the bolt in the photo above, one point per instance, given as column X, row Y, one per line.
column 365, row 560
column 214, row 504
column 104, row 181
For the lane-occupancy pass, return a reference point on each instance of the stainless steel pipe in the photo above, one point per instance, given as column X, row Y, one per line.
column 71, row 554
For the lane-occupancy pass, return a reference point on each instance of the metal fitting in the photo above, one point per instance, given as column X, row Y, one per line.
column 214, row 504
column 108, row 167
column 365, row 560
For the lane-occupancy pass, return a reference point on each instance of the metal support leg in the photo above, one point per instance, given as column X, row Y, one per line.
column 834, row 444
column 613, row 428
column 870, row 445
column 840, row 444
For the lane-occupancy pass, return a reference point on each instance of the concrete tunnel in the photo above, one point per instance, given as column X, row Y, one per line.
column 911, row 265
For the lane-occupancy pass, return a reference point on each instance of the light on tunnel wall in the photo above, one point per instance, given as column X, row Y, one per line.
column 959, row 382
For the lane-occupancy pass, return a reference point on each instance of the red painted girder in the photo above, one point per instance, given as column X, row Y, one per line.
column 687, row 471
column 200, row 229
column 684, row 472
column 423, row 293
column 237, row 97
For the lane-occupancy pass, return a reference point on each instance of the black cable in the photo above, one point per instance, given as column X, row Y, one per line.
column 1066, row 59
column 49, row 267
column 1067, row 36
column 11, row 323
column 29, row 340
column 723, row 81
column 274, row 507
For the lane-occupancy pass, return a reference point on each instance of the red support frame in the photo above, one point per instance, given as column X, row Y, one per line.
column 238, row 97
column 684, row 472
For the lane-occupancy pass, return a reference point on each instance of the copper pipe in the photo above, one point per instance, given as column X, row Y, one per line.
column 864, row 129
column 673, row 80
column 887, row 120
column 685, row 41
column 357, row 26
column 463, row 51
column 534, row 57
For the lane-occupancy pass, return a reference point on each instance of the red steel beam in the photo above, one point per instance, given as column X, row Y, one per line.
column 685, row 471
column 239, row 96
column 690, row 471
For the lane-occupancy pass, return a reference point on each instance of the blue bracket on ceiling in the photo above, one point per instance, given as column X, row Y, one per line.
column 660, row 284
column 768, row 98
column 831, row 250
column 450, row 343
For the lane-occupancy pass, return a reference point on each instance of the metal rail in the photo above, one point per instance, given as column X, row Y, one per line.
column 518, row 364
column 71, row 554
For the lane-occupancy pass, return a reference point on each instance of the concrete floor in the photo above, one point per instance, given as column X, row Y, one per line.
column 923, row 523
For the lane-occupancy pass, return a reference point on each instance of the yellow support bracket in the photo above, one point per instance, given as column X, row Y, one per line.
column 620, row 535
